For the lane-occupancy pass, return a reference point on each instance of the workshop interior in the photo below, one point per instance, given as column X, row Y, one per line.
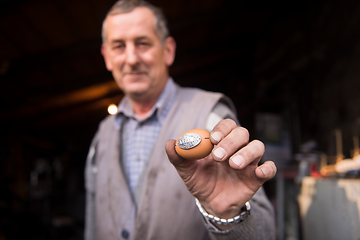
column 291, row 68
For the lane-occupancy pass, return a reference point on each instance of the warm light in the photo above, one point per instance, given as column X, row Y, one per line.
column 112, row 109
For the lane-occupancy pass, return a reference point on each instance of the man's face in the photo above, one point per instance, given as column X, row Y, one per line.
column 134, row 53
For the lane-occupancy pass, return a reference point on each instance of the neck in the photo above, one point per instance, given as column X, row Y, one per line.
column 142, row 104
column 142, row 108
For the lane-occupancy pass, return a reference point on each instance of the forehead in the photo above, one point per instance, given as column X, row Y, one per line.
column 138, row 22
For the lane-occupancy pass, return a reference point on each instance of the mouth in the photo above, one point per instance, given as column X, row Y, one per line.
column 134, row 73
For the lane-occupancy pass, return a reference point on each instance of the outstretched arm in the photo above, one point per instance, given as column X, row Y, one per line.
column 230, row 176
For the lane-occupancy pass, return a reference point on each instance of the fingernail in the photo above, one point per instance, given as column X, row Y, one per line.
column 220, row 153
column 264, row 171
column 238, row 160
column 216, row 136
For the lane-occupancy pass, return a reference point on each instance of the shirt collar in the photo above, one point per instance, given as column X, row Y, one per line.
column 161, row 107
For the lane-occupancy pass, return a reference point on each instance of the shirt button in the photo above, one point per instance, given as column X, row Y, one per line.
column 125, row 234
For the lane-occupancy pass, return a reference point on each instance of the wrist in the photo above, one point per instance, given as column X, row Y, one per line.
column 225, row 223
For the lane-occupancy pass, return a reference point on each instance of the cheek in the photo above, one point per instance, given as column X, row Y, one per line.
column 153, row 57
column 118, row 79
column 147, row 59
column 118, row 61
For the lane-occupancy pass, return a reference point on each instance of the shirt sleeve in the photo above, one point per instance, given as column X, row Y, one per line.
column 219, row 112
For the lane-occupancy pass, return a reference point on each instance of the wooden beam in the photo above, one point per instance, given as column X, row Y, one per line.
column 84, row 95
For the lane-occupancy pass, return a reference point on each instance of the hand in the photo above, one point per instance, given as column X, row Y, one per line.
column 230, row 175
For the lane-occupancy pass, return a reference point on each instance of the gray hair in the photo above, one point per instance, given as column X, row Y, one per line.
column 125, row 6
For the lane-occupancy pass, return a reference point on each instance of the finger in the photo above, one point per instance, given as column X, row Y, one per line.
column 222, row 129
column 174, row 158
column 266, row 171
column 184, row 167
column 250, row 154
column 236, row 139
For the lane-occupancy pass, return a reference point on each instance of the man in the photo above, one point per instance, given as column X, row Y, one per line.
column 133, row 190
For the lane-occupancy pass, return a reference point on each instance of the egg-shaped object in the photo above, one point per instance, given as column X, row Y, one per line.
column 194, row 144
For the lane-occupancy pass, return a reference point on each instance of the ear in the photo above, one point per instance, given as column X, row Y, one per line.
column 106, row 57
column 170, row 49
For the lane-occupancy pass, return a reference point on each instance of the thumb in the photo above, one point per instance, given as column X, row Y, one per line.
column 174, row 158
column 184, row 167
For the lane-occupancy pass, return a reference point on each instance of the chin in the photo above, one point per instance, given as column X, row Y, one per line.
column 137, row 89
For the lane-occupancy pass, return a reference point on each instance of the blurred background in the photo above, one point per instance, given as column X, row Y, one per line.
column 291, row 68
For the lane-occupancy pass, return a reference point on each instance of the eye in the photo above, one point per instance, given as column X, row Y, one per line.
column 143, row 45
column 118, row 46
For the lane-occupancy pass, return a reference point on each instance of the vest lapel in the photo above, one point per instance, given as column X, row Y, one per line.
column 186, row 112
column 113, row 195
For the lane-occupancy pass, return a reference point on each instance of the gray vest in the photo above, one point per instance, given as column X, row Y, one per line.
column 166, row 209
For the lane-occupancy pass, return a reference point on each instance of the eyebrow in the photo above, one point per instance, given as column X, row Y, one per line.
column 142, row 38
column 117, row 41
column 136, row 39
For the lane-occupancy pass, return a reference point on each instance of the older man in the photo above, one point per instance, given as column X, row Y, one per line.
column 133, row 190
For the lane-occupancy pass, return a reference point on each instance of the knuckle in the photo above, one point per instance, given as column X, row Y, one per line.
column 225, row 126
column 255, row 149
column 253, row 153
column 228, row 123
column 260, row 145
column 273, row 167
column 242, row 132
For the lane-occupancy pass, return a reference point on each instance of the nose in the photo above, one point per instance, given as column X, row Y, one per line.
column 131, row 57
